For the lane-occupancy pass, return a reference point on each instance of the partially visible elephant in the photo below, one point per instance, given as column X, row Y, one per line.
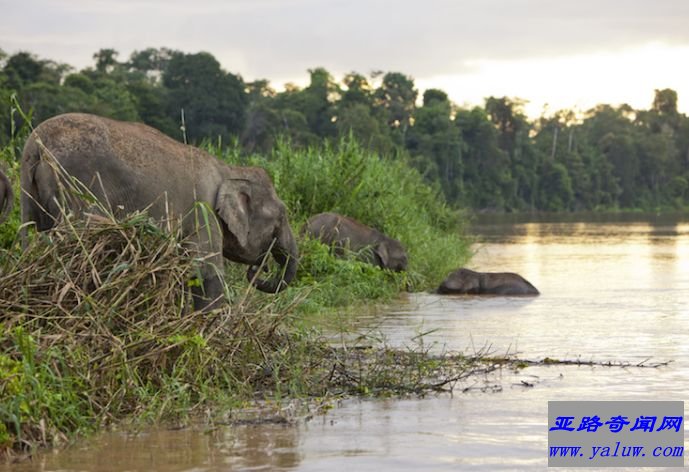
column 130, row 166
column 6, row 197
column 465, row 281
column 344, row 232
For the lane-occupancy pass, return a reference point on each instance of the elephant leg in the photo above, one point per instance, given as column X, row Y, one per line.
column 208, row 295
column 205, row 244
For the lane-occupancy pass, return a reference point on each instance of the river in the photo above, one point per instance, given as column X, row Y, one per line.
column 613, row 288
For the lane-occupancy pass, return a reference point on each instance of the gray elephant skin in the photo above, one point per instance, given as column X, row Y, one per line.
column 6, row 197
column 130, row 166
column 465, row 281
column 343, row 232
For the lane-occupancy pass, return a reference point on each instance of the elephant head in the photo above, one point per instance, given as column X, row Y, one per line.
column 6, row 197
column 390, row 254
column 462, row 281
column 254, row 223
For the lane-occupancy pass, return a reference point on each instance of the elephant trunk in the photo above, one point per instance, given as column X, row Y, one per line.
column 7, row 199
column 285, row 253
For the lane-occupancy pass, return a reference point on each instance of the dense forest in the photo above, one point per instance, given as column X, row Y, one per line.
column 487, row 158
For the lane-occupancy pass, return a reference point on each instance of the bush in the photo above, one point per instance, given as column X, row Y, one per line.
column 9, row 165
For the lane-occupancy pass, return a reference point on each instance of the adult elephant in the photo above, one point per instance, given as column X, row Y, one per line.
column 465, row 281
column 344, row 232
column 6, row 197
column 130, row 166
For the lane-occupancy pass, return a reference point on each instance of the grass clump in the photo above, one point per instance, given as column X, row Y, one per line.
column 340, row 282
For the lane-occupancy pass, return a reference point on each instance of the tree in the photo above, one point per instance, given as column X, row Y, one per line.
column 112, row 99
column 46, row 100
column 150, row 62
column 214, row 101
column 295, row 127
column 106, row 60
column 489, row 157
column 317, row 102
column 555, row 192
column 23, row 69
column 435, row 143
column 513, row 137
column 357, row 91
column 507, row 116
column 665, row 102
column 357, row 116
column 432, row 96
column 358, row 120
column 396, row 97
column 486, row 171
column 262, row 127
column 619, row 150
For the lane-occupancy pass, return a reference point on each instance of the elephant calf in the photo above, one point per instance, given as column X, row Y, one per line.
column 465, row 281
column 130, row 167
column 6, row 197
column 343, row 233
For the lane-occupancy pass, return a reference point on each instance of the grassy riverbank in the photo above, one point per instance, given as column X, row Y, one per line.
column 380, row 192
column 96, row 324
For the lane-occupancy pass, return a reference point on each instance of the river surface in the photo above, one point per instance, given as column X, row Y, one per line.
column 612, row 289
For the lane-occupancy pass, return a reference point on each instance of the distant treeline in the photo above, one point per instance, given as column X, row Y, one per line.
column 487, row 158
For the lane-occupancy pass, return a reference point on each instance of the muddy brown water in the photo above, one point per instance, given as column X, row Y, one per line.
column 612, row 289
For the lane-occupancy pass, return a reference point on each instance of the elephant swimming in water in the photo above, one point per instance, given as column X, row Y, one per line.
column 131, row 166
column 344, row 232
column 465, row 281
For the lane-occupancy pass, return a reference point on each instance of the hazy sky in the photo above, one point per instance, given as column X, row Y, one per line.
column 561, row 52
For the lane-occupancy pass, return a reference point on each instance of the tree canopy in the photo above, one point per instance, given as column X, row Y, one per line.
column 489, row 157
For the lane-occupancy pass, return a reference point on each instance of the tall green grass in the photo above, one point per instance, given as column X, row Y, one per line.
column 384, row 193
column 9, row 164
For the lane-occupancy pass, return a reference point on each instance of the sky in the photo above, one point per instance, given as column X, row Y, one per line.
column 554, row 54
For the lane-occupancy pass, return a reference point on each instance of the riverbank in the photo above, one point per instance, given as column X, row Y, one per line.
column 96, row 325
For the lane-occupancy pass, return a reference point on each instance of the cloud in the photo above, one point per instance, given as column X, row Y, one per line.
column 436, row 36
column 577, row 82
column 282, row 39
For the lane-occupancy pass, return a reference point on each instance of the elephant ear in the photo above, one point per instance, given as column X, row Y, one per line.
column 380, row 251
column 232, row 204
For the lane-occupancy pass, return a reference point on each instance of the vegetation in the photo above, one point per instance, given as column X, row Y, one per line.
column 486, row 158
column 381, row 192
column 96, row 324
column 95, row 321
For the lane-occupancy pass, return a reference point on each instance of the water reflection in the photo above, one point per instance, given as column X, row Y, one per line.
column 246, row 447
column 610, row 290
